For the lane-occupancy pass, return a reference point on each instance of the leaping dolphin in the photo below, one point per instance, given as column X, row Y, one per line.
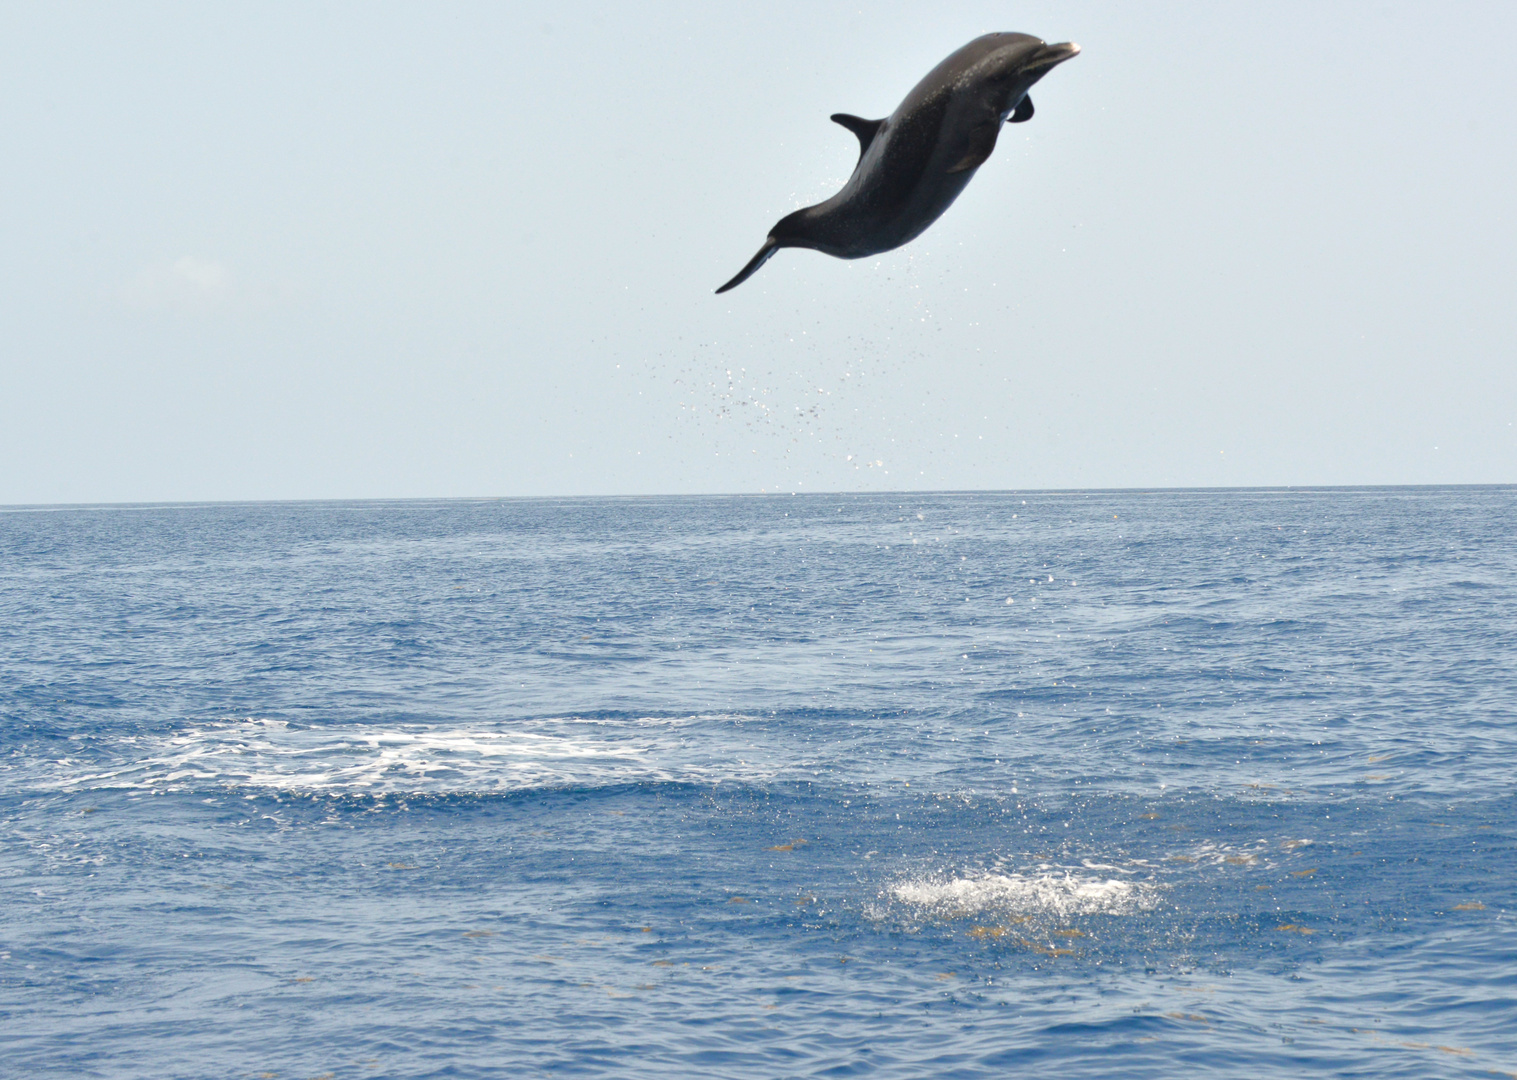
column 914, row 163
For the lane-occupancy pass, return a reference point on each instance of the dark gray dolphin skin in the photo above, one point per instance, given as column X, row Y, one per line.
column 914, row 163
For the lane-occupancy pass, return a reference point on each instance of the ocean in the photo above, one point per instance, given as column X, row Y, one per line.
column 1074, row 784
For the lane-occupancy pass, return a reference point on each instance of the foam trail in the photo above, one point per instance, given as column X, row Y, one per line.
column 275, row 755
column 1060, row 895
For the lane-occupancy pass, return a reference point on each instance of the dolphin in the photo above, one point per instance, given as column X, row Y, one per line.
column 914, row 163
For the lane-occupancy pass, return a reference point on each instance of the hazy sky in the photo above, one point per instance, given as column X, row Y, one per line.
column 310, row 250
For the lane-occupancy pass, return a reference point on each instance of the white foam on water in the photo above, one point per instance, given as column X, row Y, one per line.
column 1046, row 894
column 421, row 759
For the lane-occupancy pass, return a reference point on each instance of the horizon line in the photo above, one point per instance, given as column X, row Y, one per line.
column 168, row 504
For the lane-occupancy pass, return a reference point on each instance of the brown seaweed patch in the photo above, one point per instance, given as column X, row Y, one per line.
column 1409, row 1044
column 1044, row 950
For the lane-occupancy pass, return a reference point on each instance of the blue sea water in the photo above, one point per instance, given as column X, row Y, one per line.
column 1084, row 784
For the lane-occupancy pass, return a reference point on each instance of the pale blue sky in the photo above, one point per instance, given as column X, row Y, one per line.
column 325, row 251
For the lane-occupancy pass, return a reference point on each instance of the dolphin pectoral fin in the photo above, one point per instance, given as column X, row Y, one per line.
column 866, row 130
column 1023, row 113
column 771, row 245
column 982, row 140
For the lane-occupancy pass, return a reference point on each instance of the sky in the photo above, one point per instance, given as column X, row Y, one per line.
column 308, row 251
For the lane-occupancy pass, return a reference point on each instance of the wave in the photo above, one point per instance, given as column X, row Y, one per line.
column 276, row 755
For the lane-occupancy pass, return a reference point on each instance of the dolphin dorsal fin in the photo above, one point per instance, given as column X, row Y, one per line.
column 1023, row 113
column 866, row 130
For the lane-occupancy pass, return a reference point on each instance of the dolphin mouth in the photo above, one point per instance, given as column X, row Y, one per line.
column 1050, row 55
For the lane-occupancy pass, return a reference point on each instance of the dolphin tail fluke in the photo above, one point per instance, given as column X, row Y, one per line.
column 771, row 245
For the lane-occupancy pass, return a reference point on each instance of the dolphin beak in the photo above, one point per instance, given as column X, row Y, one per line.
column 1049, row 55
